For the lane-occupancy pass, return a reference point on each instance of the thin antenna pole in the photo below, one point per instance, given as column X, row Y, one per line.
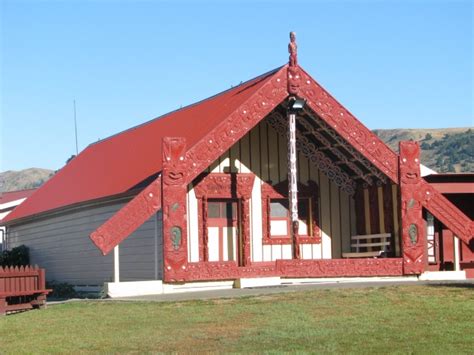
column 75, row 127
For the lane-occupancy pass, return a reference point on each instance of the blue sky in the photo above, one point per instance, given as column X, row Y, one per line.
column 394, row 64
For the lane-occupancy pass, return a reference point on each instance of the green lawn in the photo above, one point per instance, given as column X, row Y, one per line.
column 404, row 319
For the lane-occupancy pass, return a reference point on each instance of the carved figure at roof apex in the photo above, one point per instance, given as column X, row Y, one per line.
column 293, row 50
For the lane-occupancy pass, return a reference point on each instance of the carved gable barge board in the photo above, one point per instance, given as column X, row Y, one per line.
column 314, row 155
column 341, row 142
column 379, row 154
column 198, row 158
column 349, row 127
column 446, row 212
column 239, row 123
column 129, row 218
column 333, row 148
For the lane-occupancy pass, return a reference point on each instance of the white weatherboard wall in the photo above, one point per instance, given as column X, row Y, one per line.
column 60, row 243
column 263, row 152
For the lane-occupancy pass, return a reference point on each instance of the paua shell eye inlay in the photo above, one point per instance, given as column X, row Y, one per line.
column 413, row 233
column 176, row 237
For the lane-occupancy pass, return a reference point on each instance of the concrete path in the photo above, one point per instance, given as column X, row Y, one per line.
column 231, row 293
column 268, row 290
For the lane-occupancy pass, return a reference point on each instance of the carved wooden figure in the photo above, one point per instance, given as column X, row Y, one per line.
column 413, row 226
column 174, row 208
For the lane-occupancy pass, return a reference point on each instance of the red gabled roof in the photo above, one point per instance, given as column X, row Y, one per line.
column 117, row 164
column 10, row 196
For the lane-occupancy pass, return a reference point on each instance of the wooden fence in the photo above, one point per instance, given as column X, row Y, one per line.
column 22, row 288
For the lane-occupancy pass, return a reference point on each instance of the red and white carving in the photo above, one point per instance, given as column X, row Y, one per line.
column 175, row 251
column 413, row 225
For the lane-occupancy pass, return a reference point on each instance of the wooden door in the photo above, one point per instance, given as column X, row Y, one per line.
column 222, row 234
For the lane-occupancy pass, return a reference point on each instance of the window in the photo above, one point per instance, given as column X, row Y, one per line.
column 276, row 214
column 222, row 209
column 280, row 217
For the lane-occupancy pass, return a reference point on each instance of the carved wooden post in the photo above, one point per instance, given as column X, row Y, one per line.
column 413, row 226
column 244, row 191
column 245, row 231
column 205, row 231
column 174, row 209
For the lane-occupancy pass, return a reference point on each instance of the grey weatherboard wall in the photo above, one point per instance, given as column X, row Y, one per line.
column 60, row 243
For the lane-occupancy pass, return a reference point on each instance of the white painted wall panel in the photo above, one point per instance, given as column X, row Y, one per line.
column 193, row 227
column 276, row 252
column 267, row 253
column 286, row 251
column 306, row 251
column 213, row 243
column 256, row 218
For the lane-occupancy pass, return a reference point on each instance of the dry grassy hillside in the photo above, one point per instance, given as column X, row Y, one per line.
column 24, row 179
column 444, row 150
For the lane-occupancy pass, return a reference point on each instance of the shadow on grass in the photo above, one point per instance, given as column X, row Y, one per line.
column 451, row 285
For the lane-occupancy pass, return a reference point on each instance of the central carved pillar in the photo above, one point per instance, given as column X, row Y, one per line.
column 413, row 226
column 174, row 209
column 293, row 182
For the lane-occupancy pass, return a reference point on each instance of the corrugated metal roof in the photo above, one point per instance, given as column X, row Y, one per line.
column 121, row 162
column 10, row 196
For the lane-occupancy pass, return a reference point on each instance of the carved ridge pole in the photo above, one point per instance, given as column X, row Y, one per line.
column 413, row 226
column 293, row 89
column 175, row 251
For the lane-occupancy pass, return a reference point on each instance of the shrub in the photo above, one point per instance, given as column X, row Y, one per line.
column 61, row 289
column 19, row 256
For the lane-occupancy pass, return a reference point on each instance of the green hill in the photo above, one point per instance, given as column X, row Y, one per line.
column 443, row 150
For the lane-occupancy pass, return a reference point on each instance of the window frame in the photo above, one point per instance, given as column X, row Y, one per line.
column 280, row 192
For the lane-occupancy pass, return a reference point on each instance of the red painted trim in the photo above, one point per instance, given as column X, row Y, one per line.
column 454, row 187
column 129, row 218
column 467, row 252
column 280, row 191
column 448, row 246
